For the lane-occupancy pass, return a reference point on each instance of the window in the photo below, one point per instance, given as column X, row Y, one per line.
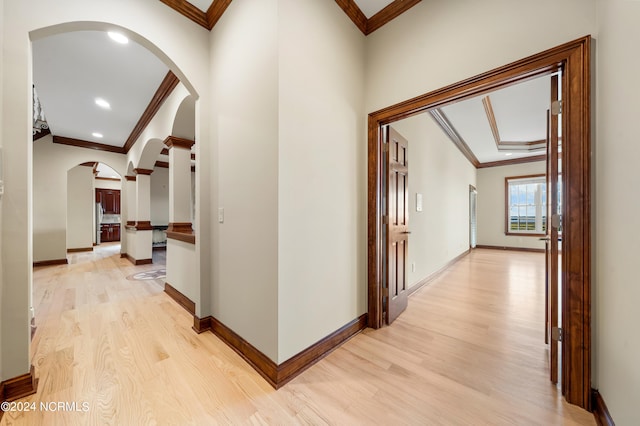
column 526, row 205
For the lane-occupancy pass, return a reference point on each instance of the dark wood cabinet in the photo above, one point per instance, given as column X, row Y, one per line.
column 110, row 200
column 109, row 232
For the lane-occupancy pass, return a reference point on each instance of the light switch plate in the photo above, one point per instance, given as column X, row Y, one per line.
column 418, row 202
column 221, row 215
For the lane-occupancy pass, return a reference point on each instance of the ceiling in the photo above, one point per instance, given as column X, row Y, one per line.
column 71, row 70
column 371, row 7
column 519, row 119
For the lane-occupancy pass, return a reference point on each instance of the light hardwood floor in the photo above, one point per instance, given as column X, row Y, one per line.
column 469, row 350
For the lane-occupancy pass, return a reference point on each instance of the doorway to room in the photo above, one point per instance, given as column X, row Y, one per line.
column 573, row 59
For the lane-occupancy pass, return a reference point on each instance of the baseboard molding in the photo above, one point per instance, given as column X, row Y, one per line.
column 532, row 250
column 432, row 276
column 180, row 298
column 200, row 325
column 51, row 262
column 278, row 375
column 136, row 261
column 600, row 410
column 78, row 250
column 159, row 248
column 19, row 387
column 256, row 359
column 291, row 368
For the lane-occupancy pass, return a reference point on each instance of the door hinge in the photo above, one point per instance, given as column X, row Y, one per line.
column 555, row 221
column 385, row 220
column 556, row 107
column 385, row 147
column 557, row 334
column 385, row 292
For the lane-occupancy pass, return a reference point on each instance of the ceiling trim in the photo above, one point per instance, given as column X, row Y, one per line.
column 87, row 144
column 107, row 178
column 367, row 26
column 441, row 119
column 392, row 11
column 89, row 164
column 215, row 11
column 511, row 161
column 354, row 13
column 163, row 164
column 206, row 19
column 166, row 87
column 190, row 11
column 529, row 146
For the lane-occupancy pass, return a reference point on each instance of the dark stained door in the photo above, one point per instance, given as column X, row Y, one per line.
column 397, row 226
column 552, row 233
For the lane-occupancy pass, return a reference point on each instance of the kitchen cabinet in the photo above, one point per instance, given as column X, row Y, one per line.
column 109, row 232
column 110, row 200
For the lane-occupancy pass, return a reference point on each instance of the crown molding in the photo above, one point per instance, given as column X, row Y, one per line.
column 511, row 161
column 169, row 83
column 367, row 26
column 392, row 11
column 527, row 146
column 206, row 20
column 87, row 144
column 441, row 119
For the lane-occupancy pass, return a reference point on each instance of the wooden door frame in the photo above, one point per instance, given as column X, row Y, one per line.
column 575, row 60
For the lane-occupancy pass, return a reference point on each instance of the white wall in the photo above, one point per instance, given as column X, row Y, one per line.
column 160, row 196
column 80, row 207
column 438, row 171
column 441, row 42
column 491, row 209
column 181, row 270
column 3, row 320
column 184, row 49
column 617, row 208
column 243, row 162
column 107, row 184
column 50, row 165
column 321, row 182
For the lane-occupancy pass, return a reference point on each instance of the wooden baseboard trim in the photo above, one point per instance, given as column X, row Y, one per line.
column 19, row 387
column 433, row 275
column 600, row 410
column 532, row 250
column 159, row 248
column 278, row 375
column 136, row 261
column 256, row 359
column 51, row 262
column 123, row 255
column 200, row 325
column 292, row 367
column 78, row 250
column 180, row 298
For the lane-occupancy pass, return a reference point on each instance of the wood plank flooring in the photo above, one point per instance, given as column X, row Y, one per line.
column 469, row 350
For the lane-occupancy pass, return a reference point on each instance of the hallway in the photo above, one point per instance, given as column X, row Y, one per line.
column 468, row 350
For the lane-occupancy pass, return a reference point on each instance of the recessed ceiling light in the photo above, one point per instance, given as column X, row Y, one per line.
column 102, row 103
column 118, row 38
column 508, row 154
column 97, row 135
